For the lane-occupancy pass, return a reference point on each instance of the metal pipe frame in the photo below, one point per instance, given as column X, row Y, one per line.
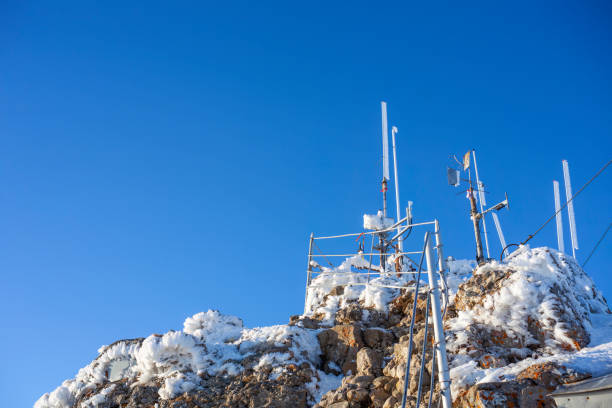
column 309, row 269
column 397, row 199
column 367, row 254
column 411, row 331
column 443, row 371
column 391, row 228
column 420, row 387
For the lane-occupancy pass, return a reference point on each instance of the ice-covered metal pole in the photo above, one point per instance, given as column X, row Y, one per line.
column 308, row 270
column 558, row 216
column 385, row 143
column 400, row 243
column 436, row 312
column 475, row 215
column 570, row 207
column 480, row 188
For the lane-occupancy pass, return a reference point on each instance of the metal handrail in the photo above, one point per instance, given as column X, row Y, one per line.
column 366, row 254
column 377, row 231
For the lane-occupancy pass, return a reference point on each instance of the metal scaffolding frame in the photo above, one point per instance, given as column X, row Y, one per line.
column 435, row 272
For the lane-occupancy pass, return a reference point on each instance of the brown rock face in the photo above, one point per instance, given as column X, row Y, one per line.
column 340, row 345
column 530, row 389
column 495, row 346
column 551, row 375
column 248, row 390
column 369, row 362
column 472, row 292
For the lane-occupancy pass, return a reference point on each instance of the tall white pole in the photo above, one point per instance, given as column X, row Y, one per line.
column 570, row 207
column 400, row 242
column 385, row 142
column 558, row 217
column 480, row 200
column 436, row 314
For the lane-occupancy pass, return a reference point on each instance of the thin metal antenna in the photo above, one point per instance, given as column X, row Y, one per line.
column 496, row 222
column 385, row 142
column 480, row 200
column 570, row 207
column 500, row 233
column 400, row 242
column 558, row 217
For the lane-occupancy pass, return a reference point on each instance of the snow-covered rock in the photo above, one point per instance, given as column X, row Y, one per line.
column 515, row 330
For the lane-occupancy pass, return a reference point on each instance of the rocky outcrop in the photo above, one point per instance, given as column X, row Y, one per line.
column 374, row 358
column 250, row 389
column 351, row 349
column 504, row 314
column 530, row 388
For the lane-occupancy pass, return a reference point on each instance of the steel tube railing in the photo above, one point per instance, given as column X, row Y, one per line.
column 367, row 254
column 414, row 307
column 375, row 232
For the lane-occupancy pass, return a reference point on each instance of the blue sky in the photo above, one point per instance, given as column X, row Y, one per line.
column 159, row 160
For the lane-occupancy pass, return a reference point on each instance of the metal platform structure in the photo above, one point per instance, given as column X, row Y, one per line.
column 388, row 265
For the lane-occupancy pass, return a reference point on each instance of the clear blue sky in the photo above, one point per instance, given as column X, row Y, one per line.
column 161, row 159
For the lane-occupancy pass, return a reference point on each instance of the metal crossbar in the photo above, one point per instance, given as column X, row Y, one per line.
column 377, row 231
column 358, row 253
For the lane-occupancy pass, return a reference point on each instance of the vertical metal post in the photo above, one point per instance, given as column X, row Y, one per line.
column 570, row 207
column 441, row 262
column 423, row 352
column 475, row 215
column 411, row 330
column 400, row 243
column 436, row 312
column 371, row 254
column 309, row 269
column 480, row 187
column 385, row 142
column 558, row 217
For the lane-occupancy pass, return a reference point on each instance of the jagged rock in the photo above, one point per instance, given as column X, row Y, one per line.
column 378, row 398
column 472, row 292
column 360, row 380
column 401, row 308
column 535, row 396
column 340, row 345
column 391, row 402
column 551, row 313
column 491, row 361
column 369, row 362
column 378, row 339
column 551, row 375
column 350, row 314
column 304, row 321
column 358, row 395
column 491, row 395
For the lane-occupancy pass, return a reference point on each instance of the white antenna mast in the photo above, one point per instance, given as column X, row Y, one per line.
column 480, row 187
column 385, row 142
column 570, row 207
column 400, row 243
column 558, row 216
